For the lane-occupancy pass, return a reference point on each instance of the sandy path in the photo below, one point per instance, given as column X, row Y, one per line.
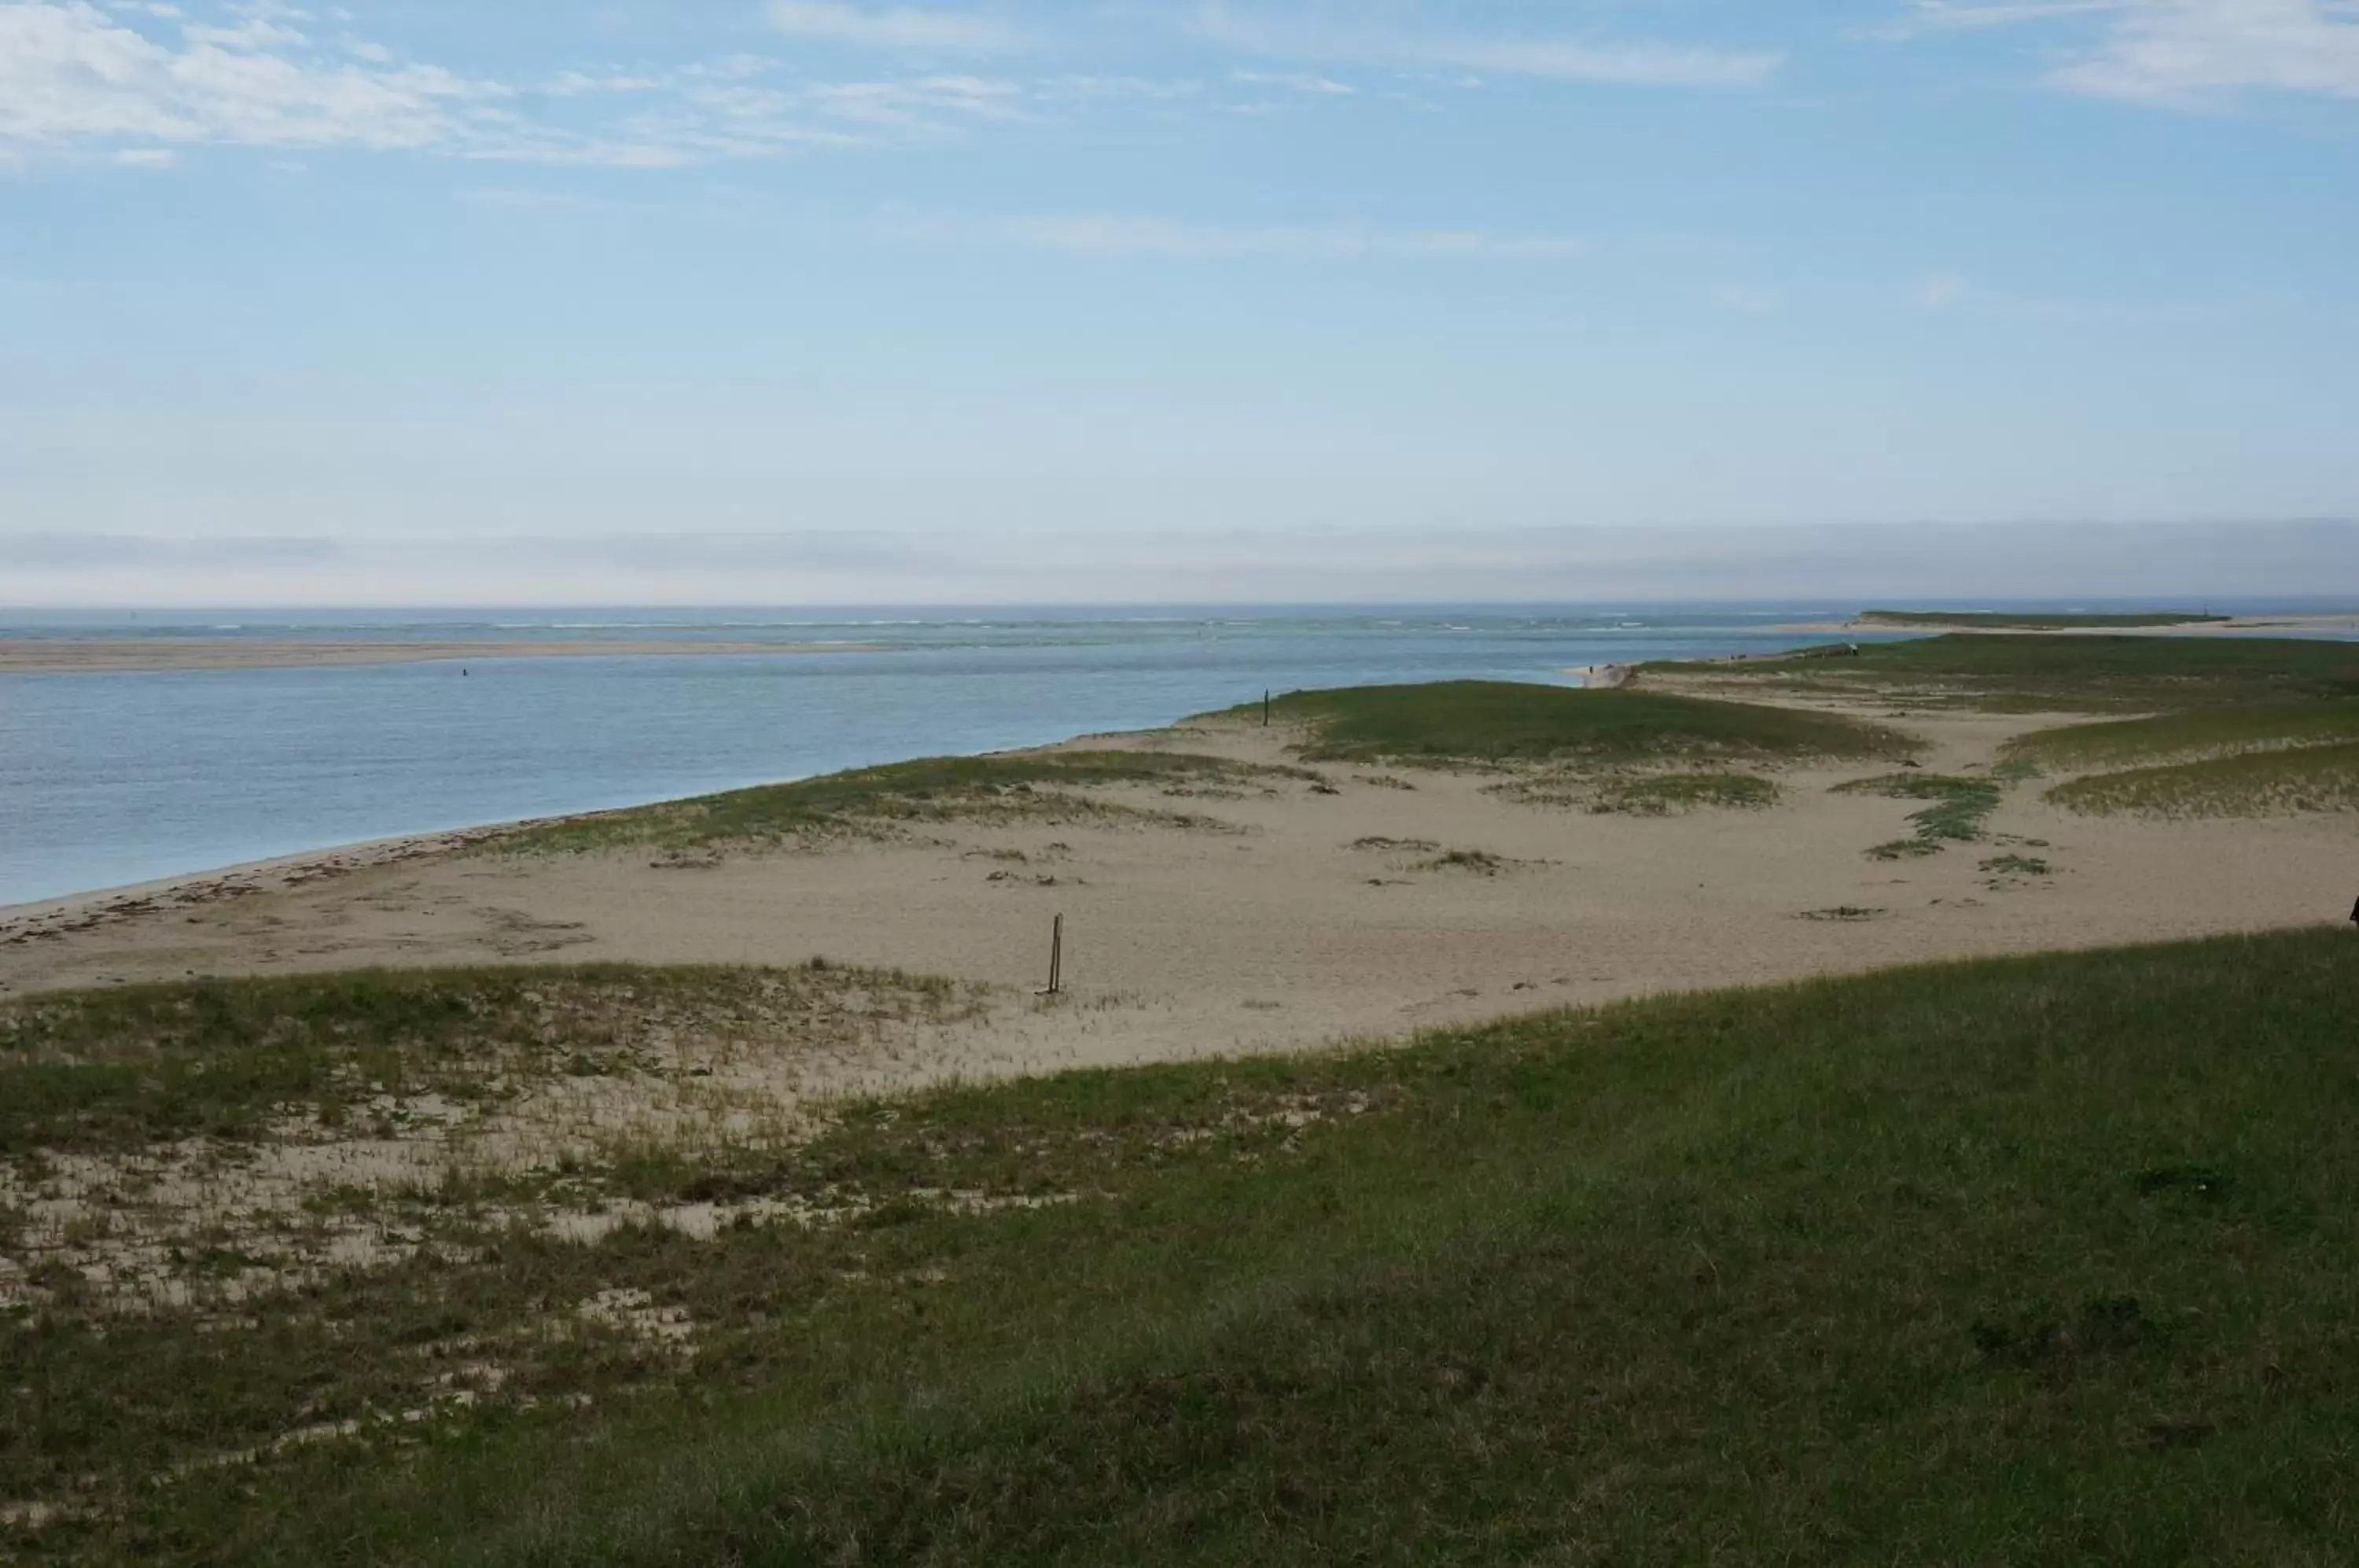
column 1275, row 935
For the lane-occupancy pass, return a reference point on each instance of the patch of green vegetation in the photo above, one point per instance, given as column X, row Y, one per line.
column 1396, row 846
column 1481, row 862
column 1903, row 849
column 1985, row 620
column 1846, row 914
column 1665, row 794
column 1498, row 723
column 1959, row 808
column 1786, row 1274
column 136, row 1066
column 2312, row 779
column 2197, row 735
column 2015, row 867
column 1024, row 787
column 2061, row 673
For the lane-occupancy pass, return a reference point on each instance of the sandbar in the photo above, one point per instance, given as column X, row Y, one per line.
column 73, row 656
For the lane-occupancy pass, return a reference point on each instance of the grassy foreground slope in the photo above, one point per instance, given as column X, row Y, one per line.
column 1505, row 722
column 2041, row 1260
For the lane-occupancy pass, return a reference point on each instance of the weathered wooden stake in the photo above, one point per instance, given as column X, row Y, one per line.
column 1056, row 956
column 1265, row 710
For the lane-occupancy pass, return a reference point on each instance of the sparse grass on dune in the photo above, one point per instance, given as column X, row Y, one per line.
column 1498, row 723
column 1960, row 807
column 2197, row 735
column 870, row 801
column 2048, row 1259
column 2309, row 778
column 1667, row 794
column 2062, row 673
column 1619, row 791
column 135, row 1065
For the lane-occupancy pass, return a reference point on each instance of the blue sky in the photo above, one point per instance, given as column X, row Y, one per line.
column 432, row 270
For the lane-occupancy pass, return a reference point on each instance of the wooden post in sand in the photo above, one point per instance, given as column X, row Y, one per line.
column 1055, row 957
column 1265, row 710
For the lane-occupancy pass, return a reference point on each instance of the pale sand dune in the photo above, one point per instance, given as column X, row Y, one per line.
column 1274, row 936
column 75, row 656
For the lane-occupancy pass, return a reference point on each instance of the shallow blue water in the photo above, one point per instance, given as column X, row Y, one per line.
column 111, row 778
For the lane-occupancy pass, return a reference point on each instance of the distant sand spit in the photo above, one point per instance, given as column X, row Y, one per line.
column 2282, row 626
column 71, row 656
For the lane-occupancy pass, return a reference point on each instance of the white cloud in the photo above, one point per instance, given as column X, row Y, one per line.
column 1117, row 237
column 135, row 85
column 896, row 27
column 1293, row 81
column 69, row 73
column 1120, row 87
column 1551, row 59
column 909, row 103
column 2185, row 53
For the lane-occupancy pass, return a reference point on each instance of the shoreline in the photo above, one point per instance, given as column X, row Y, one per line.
column 125, row 656
column 33, row 918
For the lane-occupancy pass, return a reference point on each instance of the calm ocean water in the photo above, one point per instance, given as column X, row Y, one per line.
column 112, row 779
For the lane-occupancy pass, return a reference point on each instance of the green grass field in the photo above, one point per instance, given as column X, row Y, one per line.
column 1507, row 723
column 2043, row 1260
column 1986, row 620
column 2060, row 674
column 867, row 801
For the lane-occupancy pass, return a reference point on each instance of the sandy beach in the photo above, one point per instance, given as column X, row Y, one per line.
column 1292, row 915
column 70, row 656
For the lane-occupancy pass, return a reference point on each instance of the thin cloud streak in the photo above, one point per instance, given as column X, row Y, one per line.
column 142, row 90
column 1548, row 58
column 896, row 27
column 1115, row 237
column 2180, row 53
